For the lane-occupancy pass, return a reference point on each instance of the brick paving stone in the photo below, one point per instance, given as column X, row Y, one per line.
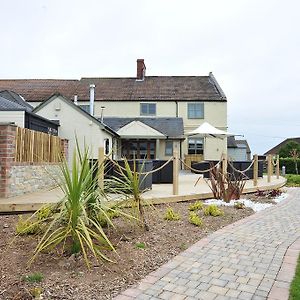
column 203, row 295
column 218, row 282
column 246, row 260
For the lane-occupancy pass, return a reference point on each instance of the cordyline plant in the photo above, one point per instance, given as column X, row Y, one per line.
column 225, row 186
column 74, row 222
column 127, row 183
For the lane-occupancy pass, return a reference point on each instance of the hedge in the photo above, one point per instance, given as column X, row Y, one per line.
column 289, row 165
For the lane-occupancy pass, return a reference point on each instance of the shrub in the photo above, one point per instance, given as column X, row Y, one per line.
column 213, row 210
column 196, row 206
column 293, row 180
column 274, row 193
column 239, row 205
column 127, row 184
column 75, row 224
column 170, row 215
column 27, row 227
column 195, row 219
column 34, row 277
column 106, row 215
column 289, row 164
column 44, row 212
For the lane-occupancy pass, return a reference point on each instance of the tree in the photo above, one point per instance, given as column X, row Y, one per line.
column 295, row 155
column 285, row 151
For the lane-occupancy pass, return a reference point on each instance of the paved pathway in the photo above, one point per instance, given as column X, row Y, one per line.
column 241, row 261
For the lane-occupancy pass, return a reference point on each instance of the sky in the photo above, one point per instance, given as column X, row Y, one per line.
column 252, row 47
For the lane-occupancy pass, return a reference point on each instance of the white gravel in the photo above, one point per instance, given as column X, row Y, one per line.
column 256, row 206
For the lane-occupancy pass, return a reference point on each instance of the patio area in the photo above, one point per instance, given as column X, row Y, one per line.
column 160, row 193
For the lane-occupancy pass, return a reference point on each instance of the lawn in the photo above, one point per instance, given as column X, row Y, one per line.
column 293, row 180
column 295, row 286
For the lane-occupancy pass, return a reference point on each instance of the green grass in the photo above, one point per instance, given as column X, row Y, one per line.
column 292, row 180
column 34, row 277
column 295, row 286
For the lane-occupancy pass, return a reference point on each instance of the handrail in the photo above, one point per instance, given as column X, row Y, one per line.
column 143, row 173
column 241, row 171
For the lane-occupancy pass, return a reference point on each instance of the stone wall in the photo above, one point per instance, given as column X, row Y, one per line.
column 24, row 178
column 17, row 178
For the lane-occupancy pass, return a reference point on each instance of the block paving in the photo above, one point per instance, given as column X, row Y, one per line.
column 252, row 259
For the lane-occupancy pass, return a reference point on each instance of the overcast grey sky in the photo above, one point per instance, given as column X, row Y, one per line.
column 251, row 46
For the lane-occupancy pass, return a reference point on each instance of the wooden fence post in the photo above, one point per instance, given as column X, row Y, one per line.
column 255, row 170
column 224, row 164
column 101, row 167
column 270, row 167
column 277, row 167
column 175, row 172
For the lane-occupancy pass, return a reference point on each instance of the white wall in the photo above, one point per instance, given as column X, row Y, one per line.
column 214, row 112
column 17, row 117
column 74, row 123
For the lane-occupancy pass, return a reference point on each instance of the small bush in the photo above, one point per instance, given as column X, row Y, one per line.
column 274, row 193
column 196, row 206
column 34, row 277
column 292, row 180
column 195, row 219
column 140, row 245
column 44, row 212
column 239, row 205
column 170, row 215
column 26, row 227
column 36, row 292
column 213, row 210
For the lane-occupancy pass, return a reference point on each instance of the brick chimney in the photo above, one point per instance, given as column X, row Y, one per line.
column 140, row 69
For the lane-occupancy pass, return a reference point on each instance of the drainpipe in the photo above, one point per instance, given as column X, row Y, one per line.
column 92, row 99
column 176, row 103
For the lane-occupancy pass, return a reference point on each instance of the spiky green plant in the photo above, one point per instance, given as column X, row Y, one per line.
column 170, row 215
column 195, row 219
column 75, row 222
column 196, row 206
column 127, row 184
column 213, row 210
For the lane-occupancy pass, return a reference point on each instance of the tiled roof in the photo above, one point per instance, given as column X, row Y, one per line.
column 170, row 127
column 36, row 90
column 152, row 88
column 275, row 150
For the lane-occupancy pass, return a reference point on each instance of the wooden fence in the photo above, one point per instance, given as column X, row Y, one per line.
column 35, row 146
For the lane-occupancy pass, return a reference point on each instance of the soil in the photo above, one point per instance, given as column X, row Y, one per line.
column 67, row 277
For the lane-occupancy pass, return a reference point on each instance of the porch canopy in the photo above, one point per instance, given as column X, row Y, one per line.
column 207, row 130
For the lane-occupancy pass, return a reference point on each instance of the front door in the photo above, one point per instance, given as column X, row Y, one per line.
column 140, row 149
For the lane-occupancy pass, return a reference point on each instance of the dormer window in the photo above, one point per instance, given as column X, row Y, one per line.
column 148, row 109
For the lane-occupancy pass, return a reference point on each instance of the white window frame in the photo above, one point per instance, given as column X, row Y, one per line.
column 147, row 113
column 195, row 149
column 192, row 113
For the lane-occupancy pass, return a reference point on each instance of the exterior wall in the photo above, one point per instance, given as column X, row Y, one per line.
column 74, row 124
column 24, row 178
column 161, row 147
column 214, row 112
column 19, row 178
column 17, row 117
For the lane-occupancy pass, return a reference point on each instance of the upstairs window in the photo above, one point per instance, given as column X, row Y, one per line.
column 195, row 146
column 148, row 109
column 195, row 110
